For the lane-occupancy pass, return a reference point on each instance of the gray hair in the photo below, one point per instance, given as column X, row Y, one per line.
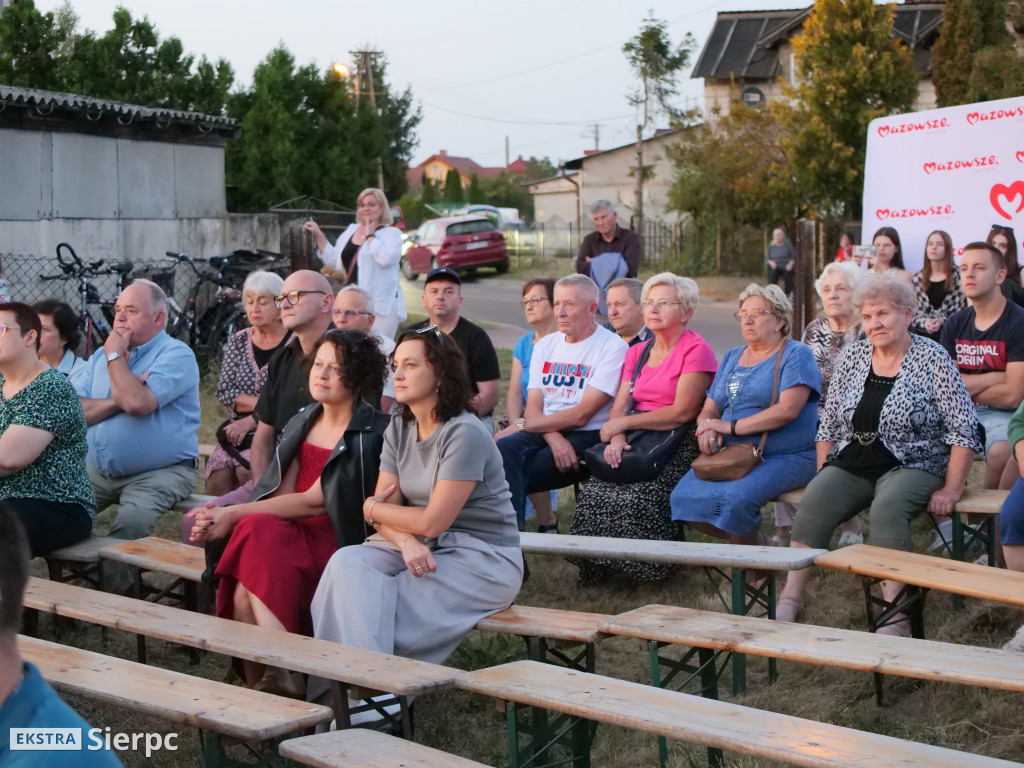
column 776, row 299
column 602, row 205
column 263, row 283
column 634, row 286
column 385, row 214
column 886, row 289
column 362, row 292
column 583, row 283
column 157, row 297
column 849, row 270
column 686, row 289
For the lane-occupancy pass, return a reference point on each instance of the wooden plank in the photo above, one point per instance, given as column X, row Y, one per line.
column 206, row 449
column 974, row 501
column 178, row 698
column 364, row 748
column 694, row 719
column 85, row 551
column 676, row 552
column 845, row 648
column 926, row 571
column 528, row 621
column 355, row 666
column 155, row 554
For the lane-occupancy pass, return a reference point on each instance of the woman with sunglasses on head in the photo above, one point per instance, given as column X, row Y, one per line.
column 1004, row 240
column 540, row 314
column 937, row 286
column 308, row 502
column 368, row 254
column 43, row 481
column 446, row 553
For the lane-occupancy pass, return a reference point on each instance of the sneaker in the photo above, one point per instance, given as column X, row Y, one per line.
column 849, row 538
column 942, row 539
column 1016, row 644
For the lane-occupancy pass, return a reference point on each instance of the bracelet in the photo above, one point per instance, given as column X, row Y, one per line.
column 369, row 514
column 732, row 430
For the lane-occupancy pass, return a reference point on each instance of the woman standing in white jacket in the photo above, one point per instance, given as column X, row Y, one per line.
column 368, row 252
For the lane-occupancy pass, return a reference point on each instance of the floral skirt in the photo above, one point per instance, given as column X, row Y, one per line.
column 631, row 511
column 220, row 459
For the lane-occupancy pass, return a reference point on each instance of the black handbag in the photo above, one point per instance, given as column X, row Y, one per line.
column 650, row 449
column 234, row 451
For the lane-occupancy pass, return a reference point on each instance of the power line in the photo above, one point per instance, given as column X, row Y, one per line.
column 523, row 122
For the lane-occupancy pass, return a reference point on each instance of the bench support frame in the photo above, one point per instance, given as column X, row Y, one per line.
column 542, row 732
column 706, row 669
column 909, row 602
column 401, row 723
column 746, row 598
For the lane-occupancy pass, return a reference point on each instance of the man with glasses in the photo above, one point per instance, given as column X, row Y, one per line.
column 353, row 311
column 625, row 315
column 442, row 298
column 306, row 300
column 574, row 375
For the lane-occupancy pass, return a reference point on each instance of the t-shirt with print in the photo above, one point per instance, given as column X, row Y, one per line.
column 563, row 371
column 984, row 351
column 656, row 387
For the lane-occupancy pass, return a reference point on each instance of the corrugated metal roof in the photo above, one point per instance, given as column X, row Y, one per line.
column 46, row 101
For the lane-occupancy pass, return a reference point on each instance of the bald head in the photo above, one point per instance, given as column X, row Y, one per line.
column 306, row 304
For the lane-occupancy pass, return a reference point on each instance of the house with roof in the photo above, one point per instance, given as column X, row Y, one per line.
column 436, row 169
column 754, row 51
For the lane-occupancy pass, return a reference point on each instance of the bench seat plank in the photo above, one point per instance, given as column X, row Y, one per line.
column 974, row 500
column 694, row 719
column 845, row 648
column 675, row 552
column 364, row 748
column 85, row 551
column 355, row 666
column 155, row 554
column 226, row 709
column 930, row 572
column 552, row 623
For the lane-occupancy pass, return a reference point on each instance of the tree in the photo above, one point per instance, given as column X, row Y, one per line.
column 851, row 70
column 475, row 193
column 428, row 193
column 656, row 63
column 974, row 58
column 29, row 41
column 539, row 168
column 452, row 192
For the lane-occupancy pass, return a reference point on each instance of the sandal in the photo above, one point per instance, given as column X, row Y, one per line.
column 788, row 609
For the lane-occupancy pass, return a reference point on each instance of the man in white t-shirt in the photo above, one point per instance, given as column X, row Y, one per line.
column 574, row 375
column 353, row 311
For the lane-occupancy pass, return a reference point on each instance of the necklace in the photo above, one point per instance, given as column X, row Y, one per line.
column 751, row 355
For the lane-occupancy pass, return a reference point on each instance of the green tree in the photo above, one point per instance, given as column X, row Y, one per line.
column 851, row 69
column 974, row 58
column 539, row 168
column 475, row 193
column 656, row 62
column 428, row 192
column 452, row 192
column 29, row 43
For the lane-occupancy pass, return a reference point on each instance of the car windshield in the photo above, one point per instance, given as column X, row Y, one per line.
column 469, row 227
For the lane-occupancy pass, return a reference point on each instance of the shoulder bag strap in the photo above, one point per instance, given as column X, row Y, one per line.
column 775, row 394
column 640, row 363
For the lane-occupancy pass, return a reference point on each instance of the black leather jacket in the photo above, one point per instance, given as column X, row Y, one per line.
column 350, row 474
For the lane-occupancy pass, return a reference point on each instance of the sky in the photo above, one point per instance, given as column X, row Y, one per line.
column 542, row 73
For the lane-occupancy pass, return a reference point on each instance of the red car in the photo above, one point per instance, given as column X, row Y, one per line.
column 460, row 242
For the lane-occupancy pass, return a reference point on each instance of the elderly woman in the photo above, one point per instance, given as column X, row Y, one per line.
column 367, row 254
column 888, row 260
column 739, row 408
column 938, row 289
column 667, row 393
column 827, row 336
column 447, row 551
column 243, row 373
column 60, row 337
column 898, row 434
column 43, row 481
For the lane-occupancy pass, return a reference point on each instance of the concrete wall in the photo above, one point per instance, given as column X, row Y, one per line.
column 607, row 175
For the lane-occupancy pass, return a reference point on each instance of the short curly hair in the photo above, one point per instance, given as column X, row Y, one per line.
column 364, row 368
column 455, row 388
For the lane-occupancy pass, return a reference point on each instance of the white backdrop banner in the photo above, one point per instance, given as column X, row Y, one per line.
column 959, row 169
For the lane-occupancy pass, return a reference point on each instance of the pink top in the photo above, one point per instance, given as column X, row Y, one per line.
column 656, row 387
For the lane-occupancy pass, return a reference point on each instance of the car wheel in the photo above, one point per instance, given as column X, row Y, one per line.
column 406, row 268
column 502, row 268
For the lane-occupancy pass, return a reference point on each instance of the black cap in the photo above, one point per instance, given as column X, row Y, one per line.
column 443, row 273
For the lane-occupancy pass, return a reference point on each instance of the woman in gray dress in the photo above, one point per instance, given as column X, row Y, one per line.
column 446, row 549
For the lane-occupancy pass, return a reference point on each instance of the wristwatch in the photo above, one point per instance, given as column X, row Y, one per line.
column 113, row 356
column 521, row 424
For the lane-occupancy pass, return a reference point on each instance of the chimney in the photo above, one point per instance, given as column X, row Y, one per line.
column 444, row 153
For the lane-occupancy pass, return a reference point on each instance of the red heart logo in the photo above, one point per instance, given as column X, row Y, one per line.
column 883, row 131
column 929, row 167
column 882, row 213
column 1011, row 193
column 973, row 118
column 1020, row 156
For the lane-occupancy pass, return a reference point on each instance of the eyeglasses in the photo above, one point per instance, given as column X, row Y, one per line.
column 346, row 313
column 4, row 328
column 534, row 301
column 660, row 306
column 435, row 330
column 754, row 313
column 293, row 297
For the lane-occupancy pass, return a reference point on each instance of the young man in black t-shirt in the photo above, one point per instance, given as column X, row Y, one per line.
column 987, row 342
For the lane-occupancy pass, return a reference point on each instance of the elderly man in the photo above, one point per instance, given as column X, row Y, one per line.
column 625, row 315
column 608, row 253
column 140, row 394
column 442, row 298
column 781, row 259
column 353, row 311
column 574, row 375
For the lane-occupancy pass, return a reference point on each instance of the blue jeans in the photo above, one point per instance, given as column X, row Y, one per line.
column 530, row 465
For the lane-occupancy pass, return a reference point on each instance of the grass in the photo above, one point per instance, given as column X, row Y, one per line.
column 961, row 717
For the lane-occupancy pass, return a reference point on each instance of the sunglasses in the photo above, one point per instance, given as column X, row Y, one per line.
column 1002, row 228
column 432, row 329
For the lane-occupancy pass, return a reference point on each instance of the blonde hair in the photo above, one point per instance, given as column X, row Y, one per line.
column 776, row 299
column 686, row 289
column 385, row 216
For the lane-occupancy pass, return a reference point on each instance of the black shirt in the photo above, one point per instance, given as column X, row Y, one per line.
column 983, row 351
column 262, row 356
column 476, row 346
column 287, row 389
column 348, row 255
column 874, row 459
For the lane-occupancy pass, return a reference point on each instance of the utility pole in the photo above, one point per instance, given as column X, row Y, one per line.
column 365, row 70
column 506, row 152
column 597, row 137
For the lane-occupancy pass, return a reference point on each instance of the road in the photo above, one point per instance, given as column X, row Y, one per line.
column 495, row 300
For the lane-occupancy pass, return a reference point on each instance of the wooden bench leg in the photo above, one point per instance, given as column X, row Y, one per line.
column 583, row 660
column 965, row 536
column 709, row 672
column 746, row 599
column 909, row 601
column 573, row 732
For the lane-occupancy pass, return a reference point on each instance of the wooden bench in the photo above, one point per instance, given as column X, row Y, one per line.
column 362, row 748
column 717, row 725
column 216, row 709
column 185, row 563
column 79, row 561
column 349, row 669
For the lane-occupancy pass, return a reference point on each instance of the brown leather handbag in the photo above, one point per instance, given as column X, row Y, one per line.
column 739, row 459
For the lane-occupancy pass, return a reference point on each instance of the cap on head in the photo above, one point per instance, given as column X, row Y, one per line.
column 443, row 273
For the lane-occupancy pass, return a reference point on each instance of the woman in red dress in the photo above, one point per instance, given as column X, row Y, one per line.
column 309, row 501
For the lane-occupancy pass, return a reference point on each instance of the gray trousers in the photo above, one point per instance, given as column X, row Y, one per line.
column 141, row 498
column 835, row 495
column 367, row 598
